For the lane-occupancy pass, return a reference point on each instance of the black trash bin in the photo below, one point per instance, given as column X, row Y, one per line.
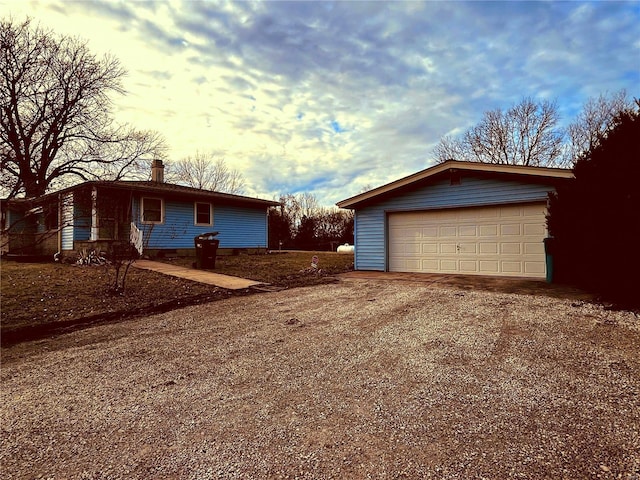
column 206, row 250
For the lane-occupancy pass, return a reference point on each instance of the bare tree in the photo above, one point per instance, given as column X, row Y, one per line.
column 56, row 113
column 525, row 134
column 300, row 222
column 450, row 148
column 205, row 171
column 595, row 119
column 309, row 205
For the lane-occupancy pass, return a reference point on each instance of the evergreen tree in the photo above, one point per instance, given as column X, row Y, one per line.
column 595, row 218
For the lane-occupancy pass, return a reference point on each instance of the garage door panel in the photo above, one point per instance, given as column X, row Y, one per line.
column 511, row 267
column 468, row 231
column 530, row 210
column 508, row 211
column 414, row 232
column 488, row 267
column 468, row 248
column 488, row 248
column 430, row 232
column 510, row 229
column 534, row 229
column 395, row 250
column 505, row 240
column 510, row 248
column 448, row 248
column 413, row 265
column 468, row 266
column 488, row 230
column 448, row 231
column 477, row 213
column 412, row 248
column 430, row 265
column 429, row 248
column 535, row 268
column 449, row 266
column 534, row 248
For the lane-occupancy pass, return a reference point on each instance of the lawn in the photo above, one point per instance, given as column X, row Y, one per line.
column 40, row 299
column 287, row 269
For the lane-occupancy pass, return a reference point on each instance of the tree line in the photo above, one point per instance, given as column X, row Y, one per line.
column 301, row 223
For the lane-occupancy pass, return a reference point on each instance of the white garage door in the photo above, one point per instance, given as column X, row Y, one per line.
column 499, row 240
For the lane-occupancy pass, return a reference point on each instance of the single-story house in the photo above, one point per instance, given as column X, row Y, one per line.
column 457, row 218
column 94, row 214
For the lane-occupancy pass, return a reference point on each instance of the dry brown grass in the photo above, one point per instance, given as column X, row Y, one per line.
column 39, row 299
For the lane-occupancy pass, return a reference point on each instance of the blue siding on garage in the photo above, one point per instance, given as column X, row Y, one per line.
column 239, row 227
column 370, row 221
column 369, row 239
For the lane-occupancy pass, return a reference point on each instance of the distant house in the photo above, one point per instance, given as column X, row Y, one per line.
column 94, row 214
column 457, row 218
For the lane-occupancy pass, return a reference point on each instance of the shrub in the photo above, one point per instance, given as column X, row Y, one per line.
column 595, row 218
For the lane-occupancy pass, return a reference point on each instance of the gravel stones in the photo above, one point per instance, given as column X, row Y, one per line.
column 384, row 380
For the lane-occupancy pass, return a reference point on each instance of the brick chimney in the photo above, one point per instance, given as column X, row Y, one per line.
column 157, row 171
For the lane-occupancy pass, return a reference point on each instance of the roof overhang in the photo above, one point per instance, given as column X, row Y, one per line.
column 455, row 165
column 166, row 190
column 183, row 192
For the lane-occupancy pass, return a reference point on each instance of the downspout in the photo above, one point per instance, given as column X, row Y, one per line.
column 355, row 241
column 58, row 254
column 267, row 230
column 94, row 214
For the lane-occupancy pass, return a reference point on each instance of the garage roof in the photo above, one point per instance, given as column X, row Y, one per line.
column 453, row 165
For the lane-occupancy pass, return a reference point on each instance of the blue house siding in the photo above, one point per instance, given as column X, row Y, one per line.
column 177, row 230
column 370, row 221
column 239, row 227
column 81, row 220
column 105, row 211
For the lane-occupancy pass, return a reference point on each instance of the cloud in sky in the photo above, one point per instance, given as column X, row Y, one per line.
column 330, row 97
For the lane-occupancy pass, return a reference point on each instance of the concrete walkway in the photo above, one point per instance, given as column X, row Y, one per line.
column 202, row 276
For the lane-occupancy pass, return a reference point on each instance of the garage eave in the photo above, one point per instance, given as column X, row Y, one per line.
column 450, row 165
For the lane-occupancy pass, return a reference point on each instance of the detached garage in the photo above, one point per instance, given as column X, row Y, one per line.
column 457, row 218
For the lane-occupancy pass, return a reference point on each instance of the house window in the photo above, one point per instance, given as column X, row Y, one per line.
column 51, row 217
column 152, row 210
column 203, row 214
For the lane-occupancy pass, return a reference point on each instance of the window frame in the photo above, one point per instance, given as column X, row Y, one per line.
column 195, row 214
column 142, row 210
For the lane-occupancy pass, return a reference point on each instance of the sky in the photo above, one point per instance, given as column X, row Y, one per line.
column 331, row 98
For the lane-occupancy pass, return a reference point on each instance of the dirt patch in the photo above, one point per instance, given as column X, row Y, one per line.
column 522, row 286
column 358, row 379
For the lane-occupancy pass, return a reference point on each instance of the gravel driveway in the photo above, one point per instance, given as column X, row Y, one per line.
column 359, row 379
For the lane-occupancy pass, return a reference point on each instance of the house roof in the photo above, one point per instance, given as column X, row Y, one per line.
column 451, row 166
column 165, row 190
column 160, row 188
